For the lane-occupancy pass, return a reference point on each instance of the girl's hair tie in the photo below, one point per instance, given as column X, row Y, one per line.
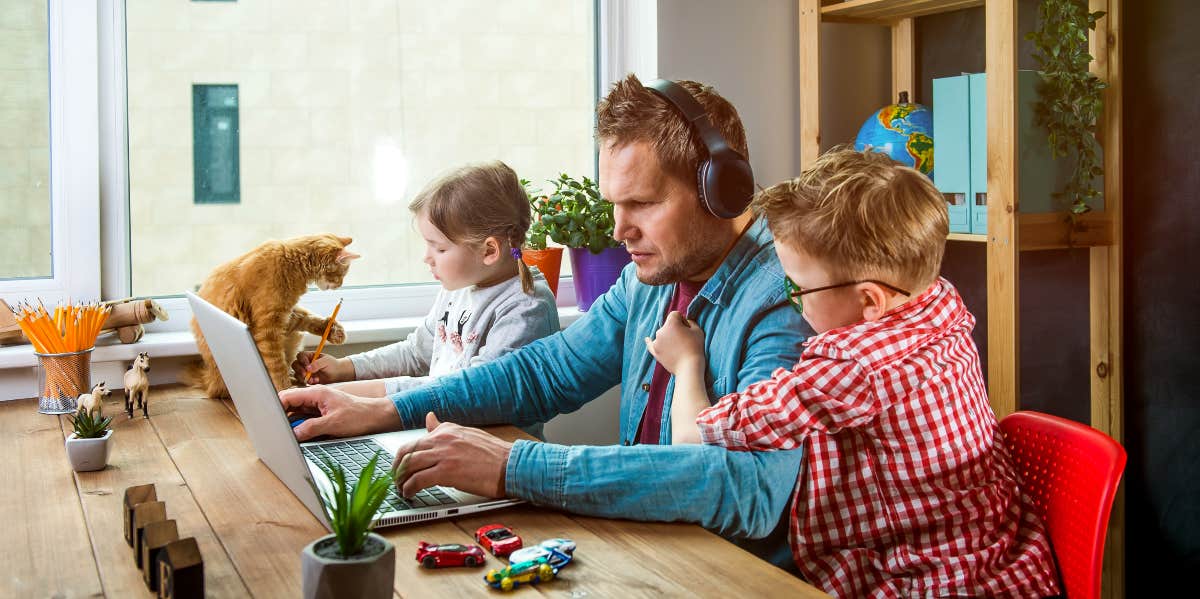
column 516, row 253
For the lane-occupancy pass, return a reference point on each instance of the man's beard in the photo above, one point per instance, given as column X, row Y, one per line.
column 699, row 255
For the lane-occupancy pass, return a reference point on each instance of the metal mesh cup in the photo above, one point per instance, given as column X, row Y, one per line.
column 61, row 379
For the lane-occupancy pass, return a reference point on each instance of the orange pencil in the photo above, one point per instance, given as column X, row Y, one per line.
column 324, row 337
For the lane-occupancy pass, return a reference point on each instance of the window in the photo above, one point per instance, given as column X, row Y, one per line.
column 215, row 144
column 341, row 114
column 49, row 242
column 25, row 143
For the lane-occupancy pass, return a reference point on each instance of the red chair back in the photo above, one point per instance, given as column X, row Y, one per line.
column 1069, row 473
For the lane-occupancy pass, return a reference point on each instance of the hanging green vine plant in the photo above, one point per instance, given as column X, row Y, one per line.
column 1070, row 98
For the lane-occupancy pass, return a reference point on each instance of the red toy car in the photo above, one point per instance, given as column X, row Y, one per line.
column 498, row 539
column 441, row 556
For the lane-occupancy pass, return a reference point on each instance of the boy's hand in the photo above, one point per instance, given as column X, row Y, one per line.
column 327, row 369
column 678, row 344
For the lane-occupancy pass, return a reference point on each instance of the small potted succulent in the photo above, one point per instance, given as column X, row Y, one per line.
column 88, row 446
column 537, row 253
column 352, row 561
column 583, row 221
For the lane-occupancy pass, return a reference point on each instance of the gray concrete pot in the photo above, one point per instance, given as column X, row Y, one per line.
column 369, row 575
column 88, row 454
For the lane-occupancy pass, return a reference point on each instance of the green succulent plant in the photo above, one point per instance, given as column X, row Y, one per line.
column 87, row 426
column 1070, row 96
column 572, row 214
column 351, row 509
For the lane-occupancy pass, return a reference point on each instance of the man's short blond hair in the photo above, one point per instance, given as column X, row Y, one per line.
column 863, row 215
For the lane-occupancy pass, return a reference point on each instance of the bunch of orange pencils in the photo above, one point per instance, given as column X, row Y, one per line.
column 70, row 328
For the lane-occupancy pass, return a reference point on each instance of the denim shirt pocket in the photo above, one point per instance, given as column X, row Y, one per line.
column 718, row 389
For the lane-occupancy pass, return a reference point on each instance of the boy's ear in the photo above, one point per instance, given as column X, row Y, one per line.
column 491, row 251
column 874, row 301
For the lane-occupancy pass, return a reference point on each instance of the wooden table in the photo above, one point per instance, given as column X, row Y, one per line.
column 63, row 531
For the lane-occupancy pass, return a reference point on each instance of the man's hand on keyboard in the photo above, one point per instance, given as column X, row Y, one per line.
column 467, row 459
column 332, row 412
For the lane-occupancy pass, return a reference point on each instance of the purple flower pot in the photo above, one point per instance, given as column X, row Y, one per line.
column 595, row 273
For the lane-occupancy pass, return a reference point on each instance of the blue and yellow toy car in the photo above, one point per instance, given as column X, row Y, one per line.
column 527, row 572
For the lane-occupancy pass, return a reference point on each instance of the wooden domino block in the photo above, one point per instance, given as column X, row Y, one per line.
column 180, row 570
column 143, row 514
column 156, row 535
column 133, row 496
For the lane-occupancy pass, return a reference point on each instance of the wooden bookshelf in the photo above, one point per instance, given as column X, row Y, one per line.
column 1010, row 231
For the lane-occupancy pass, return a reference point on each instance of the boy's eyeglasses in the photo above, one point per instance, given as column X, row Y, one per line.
column 794, row 291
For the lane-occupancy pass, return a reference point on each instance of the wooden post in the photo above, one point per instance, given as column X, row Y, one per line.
column 1004, row 389
column 1106, row 283
column 809, row 32
column 904, row 78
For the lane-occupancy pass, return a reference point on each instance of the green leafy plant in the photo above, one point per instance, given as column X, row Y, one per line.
column 1070, row 99
column 87, row 426
column 572, row 214
column 351, row 509
column 539, row 232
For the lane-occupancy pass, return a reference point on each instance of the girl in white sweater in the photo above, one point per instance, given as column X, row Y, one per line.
column 474, row 221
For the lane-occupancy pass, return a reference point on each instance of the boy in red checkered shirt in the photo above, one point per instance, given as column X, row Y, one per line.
column 907, row 489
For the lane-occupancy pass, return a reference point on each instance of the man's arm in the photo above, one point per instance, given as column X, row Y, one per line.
column 551, row 376
column 736, row 494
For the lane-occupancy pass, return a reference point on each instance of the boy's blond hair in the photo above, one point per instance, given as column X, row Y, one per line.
column 863, row 215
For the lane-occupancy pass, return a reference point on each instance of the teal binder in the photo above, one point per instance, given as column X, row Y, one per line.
column 977, row 200
column 952, row 148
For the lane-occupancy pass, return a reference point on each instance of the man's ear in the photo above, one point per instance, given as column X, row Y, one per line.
column 491, row 250
column 874, row 301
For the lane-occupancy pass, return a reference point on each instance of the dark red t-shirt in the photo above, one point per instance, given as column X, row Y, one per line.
column 685, row 291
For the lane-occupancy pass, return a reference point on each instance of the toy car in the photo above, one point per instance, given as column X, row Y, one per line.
column 498, row 539
column 561, row 547
column 530, row 572
column 441, row 556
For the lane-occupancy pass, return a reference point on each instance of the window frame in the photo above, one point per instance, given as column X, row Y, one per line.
column 74, row 206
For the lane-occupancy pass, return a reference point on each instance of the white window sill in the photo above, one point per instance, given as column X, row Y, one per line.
column 17, row 361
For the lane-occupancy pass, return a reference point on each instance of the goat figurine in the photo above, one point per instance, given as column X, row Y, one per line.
column 137, row 385
column 93, row 403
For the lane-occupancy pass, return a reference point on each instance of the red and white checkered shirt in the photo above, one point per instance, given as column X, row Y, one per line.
column 907, row 489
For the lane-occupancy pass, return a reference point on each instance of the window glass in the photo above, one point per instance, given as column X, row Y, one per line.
column 24, row 141
column 344, row 110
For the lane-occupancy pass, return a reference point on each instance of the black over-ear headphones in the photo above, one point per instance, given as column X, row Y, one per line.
column 724, row 181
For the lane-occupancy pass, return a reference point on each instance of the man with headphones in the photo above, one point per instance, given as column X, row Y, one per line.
column 673, row 163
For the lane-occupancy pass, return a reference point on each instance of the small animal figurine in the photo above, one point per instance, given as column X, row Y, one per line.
column 93, row 402
column 137, row 385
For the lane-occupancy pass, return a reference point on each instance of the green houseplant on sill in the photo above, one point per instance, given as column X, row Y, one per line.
column 577, row 217
column 537, row 252
column 88, row 446
column 352, row 561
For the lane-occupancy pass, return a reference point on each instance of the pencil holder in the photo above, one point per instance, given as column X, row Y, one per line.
column 61, row 379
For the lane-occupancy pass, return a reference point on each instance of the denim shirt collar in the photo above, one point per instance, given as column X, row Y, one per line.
column 719, row 285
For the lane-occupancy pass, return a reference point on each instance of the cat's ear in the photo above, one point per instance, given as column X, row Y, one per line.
column 345, row 256
column 345, row 241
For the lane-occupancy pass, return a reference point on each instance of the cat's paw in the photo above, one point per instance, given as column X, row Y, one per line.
column 337, row 334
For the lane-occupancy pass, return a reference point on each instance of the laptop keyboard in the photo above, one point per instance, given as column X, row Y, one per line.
column 353, row 456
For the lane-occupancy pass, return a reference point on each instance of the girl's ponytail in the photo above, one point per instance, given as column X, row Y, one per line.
column 526, row 274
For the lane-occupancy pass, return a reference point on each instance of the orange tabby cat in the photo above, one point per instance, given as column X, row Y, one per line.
column 261, row 288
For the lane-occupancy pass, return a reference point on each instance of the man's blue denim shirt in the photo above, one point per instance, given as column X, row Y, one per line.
column 750, row 330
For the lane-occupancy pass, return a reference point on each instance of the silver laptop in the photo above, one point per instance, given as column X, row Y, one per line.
column 297, row 465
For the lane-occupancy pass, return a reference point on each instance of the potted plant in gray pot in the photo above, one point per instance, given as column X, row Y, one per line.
column 88, row 446
column 352, row 561
column 583, row 222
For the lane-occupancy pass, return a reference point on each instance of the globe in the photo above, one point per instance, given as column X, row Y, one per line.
column 903, row 131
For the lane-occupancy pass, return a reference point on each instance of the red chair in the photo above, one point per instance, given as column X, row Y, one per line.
column 1069, row 472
